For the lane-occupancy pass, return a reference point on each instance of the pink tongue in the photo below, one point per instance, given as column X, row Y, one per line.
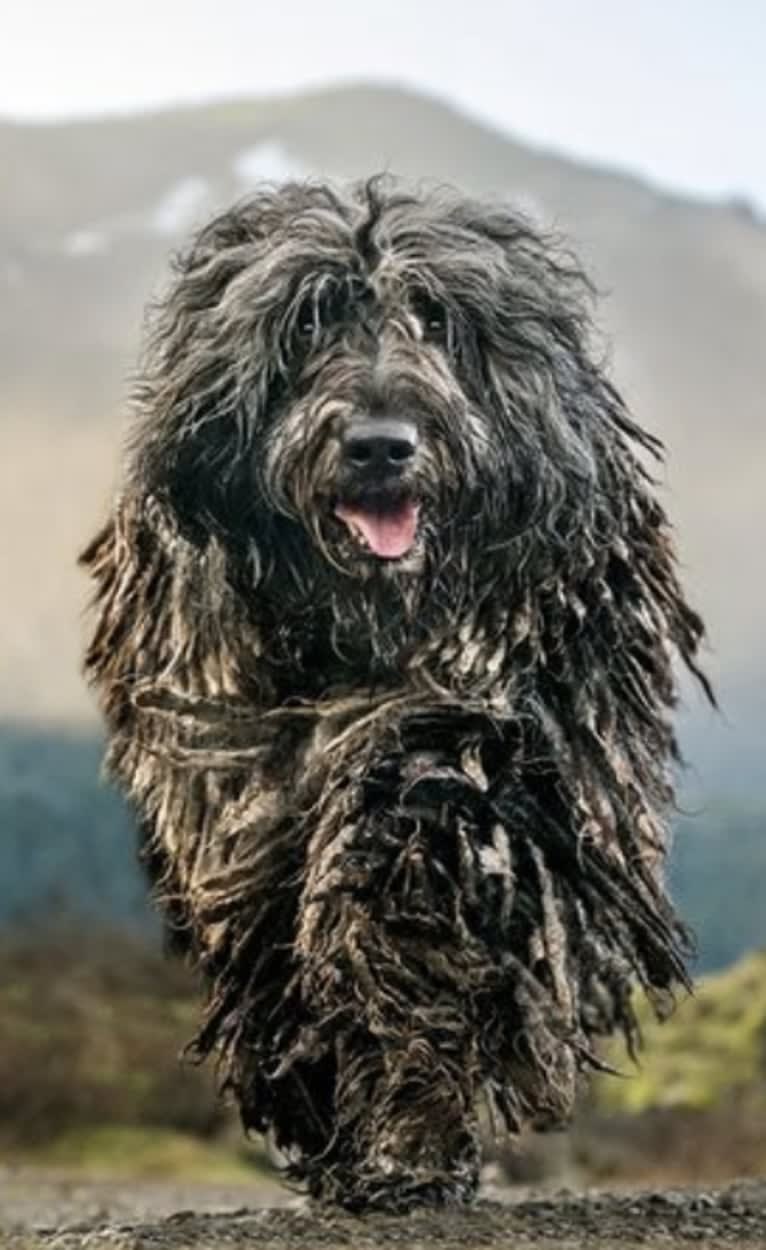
column 388, row 534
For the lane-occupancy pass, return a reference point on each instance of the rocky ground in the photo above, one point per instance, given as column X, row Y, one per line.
column 59, row 1215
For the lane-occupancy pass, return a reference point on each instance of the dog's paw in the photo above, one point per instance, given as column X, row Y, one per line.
column 398, row 1193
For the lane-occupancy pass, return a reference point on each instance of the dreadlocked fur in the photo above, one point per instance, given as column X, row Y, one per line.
column 408, row 815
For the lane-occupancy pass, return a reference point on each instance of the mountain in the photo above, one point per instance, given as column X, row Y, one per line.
column 91, row 211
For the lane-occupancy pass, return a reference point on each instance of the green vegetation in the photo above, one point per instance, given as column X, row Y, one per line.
column 108, row 1150
column 711, row 1053
column 92, row 1026
column 90, row 1034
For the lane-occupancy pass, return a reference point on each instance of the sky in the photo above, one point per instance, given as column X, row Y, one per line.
column 674, row 90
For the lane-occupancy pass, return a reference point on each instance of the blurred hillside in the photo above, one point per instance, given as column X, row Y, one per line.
column 89, row 214
column 90, row 1078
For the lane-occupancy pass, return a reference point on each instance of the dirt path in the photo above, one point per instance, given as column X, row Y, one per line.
column 61, row 1216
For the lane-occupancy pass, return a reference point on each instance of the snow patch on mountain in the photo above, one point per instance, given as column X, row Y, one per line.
column 268, row 161
column 87, row 241
column 181, row 206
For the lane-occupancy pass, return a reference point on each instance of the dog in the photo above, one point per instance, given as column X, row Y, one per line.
column 386, row 614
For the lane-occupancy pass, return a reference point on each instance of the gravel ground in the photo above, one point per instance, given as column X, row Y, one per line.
column 56, row 1215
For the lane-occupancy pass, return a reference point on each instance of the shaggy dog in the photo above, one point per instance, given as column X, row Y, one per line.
column 386, row 620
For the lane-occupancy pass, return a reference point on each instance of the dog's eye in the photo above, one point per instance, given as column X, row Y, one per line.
column 432, row 316
column 319, row 310
column 307, row 318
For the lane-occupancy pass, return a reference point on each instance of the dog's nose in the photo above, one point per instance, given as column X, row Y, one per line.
column 377, row 443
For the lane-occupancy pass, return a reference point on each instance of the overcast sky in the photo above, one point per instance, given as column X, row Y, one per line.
column 674, row 89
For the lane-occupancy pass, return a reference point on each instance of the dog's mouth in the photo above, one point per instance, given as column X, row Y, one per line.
column 387, row 528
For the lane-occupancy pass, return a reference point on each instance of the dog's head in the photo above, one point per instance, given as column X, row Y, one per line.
column 377, row 376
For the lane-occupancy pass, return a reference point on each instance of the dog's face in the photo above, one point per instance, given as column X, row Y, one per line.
column 380, row 437
column 382, row 434
column 392, row 376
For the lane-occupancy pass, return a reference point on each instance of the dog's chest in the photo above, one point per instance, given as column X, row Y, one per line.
column 460, row 658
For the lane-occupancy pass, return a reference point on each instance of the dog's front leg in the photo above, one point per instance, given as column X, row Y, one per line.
column 392, row 971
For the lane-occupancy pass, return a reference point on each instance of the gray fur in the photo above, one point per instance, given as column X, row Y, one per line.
column 408, row 817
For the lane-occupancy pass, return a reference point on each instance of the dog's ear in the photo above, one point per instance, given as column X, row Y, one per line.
column 132, row 634
column 170, row 634
column 216, row 355
column 209, row 365
column 165, row 603
column 199, row 378
column 588, row 461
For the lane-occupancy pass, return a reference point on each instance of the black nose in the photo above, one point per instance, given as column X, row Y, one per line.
column 377, row 443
